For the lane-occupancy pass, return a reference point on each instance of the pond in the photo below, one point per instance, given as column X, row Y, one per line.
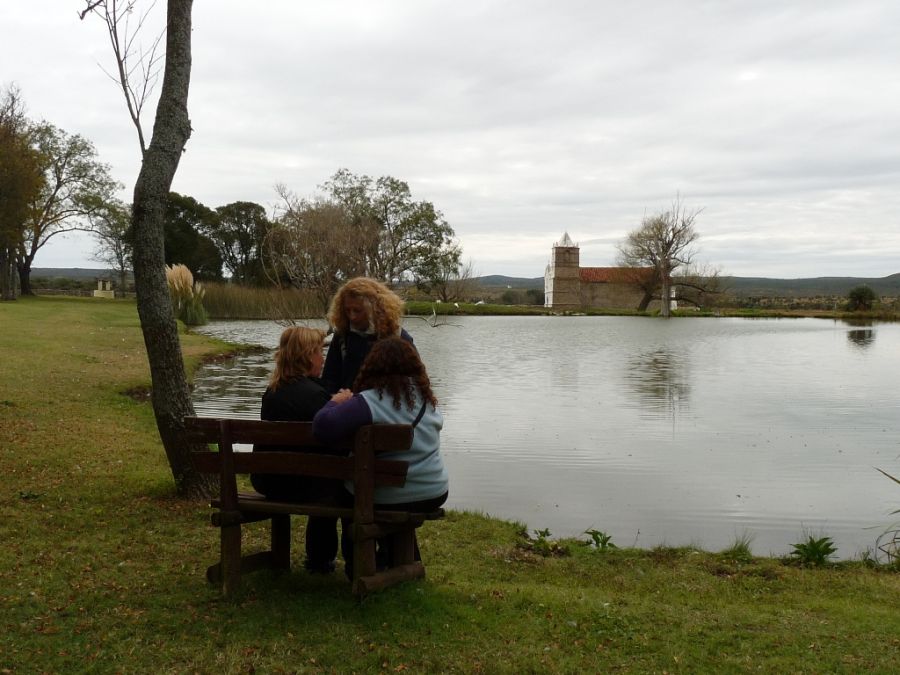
column 690, row 431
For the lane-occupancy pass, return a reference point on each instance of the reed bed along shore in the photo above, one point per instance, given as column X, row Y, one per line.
column 230, row 301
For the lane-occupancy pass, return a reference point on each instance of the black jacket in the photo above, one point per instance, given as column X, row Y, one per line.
column 296, row 401
column 345, row 357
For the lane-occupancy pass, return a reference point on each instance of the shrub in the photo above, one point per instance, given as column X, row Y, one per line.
column 813, row 552
column 542, row 545
column 187, row 297
column 861, row 299
column 600, row 540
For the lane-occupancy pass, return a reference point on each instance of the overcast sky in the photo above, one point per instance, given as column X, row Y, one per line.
column 521, row 120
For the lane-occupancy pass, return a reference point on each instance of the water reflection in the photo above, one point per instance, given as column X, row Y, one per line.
column 862, row 333
column 861, row 337
column 233, row 386
column 659, row 379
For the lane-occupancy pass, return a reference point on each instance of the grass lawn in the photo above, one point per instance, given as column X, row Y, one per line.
column 102, row 569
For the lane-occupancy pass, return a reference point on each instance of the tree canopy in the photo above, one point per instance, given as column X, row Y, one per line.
column 21, row 181
column 239, row 232
column 401, row 239
column 357, row 226
column 76, row 185
column 184, row 223
column 861, row 299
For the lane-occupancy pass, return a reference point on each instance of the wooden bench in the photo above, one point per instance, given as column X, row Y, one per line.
column 363, row 468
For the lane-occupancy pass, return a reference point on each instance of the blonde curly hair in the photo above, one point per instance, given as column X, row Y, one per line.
column 383, row 306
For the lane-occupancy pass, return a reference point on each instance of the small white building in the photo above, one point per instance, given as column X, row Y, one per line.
column 104, row 289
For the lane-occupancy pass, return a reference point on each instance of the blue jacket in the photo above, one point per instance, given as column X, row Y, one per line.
column 427, row 476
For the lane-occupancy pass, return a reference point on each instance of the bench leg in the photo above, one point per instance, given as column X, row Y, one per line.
column 231, row 559
column 281, row 541
column 363, row 558
column 403, row 547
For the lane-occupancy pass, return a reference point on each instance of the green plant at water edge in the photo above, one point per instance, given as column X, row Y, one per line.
column 600, row 540
column 542, row 545
column 896, row 480
column 814, row 552
column 887, row 546
column 740, row 551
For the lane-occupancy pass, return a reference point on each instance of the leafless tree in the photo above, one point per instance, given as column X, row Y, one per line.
column 110, row 227
column 314, row 244
column 137, row 68
column 171, row 129
column 664, row 242
column 698, row 284
column 454, row 282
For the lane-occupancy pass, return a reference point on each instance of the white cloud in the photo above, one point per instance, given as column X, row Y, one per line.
column 520, row 120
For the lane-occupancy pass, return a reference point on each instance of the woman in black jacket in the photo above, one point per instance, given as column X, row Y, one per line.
column 295, row 393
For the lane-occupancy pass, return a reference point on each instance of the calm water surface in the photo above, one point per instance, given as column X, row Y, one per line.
column 687, row 431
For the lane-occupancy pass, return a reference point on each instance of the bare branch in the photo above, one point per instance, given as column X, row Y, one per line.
column 137, row 70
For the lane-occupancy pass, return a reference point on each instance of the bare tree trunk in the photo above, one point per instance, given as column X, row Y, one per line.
column 171, row 130
column 7, row 273
column 24, row 269
column 666, row 290
column 645, row 301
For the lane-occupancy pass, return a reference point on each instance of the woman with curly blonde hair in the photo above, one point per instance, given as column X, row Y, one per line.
column 362, row 311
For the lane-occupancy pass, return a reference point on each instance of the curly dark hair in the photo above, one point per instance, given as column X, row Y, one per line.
column 393, row 366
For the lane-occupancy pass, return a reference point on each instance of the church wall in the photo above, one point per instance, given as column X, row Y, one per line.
column 611, row 296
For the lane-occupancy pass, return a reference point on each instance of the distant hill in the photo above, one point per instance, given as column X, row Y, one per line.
column 801, row 288
column 738, row 286
column 748, row 286
column 500, row 281
column 70, row 272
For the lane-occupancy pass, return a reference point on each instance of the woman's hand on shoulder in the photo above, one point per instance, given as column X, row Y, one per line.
column 342, row 396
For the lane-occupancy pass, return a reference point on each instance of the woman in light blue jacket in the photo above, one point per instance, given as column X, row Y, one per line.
column 392, row 388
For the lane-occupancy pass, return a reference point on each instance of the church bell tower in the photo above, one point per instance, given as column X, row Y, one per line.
column 562, row 283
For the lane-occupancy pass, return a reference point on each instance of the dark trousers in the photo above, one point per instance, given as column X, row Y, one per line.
column 321, row 533
column 321, row 542
column 384, row 555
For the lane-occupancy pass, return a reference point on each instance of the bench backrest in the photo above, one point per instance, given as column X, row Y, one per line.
column 368, row 442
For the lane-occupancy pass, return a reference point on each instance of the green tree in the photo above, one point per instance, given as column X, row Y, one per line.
column 76, row 185
column 239, row 233
column 21, row 181
column 400, row 238
column 861, row 299
column 453, row 282
column 186, row 220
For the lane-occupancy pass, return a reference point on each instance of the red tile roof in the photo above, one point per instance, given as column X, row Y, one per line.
column 615, row 275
